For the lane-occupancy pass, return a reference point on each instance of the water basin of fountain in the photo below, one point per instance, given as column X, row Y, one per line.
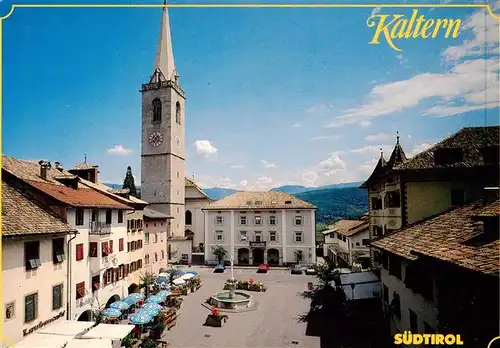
column 230, row 300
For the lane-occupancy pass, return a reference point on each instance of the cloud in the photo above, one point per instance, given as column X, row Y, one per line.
column 320, row 109
column 119, row 150
column 310, row 178
column 375, row 11
column 373, row 149
column 243, row 183
column 368, row 166
column 325, row 137
column 484, row 28
column 268, row 165
column 379, row 137
column 332, row 165
column 459, row 90
column 205, row 148
column 401, row 59
column 420, row 147
column 238, row 166
column 296, row 125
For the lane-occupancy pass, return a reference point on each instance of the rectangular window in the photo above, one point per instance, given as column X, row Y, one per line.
column 258, row 220
column 155, row 238
column 110, row 246
column 272, row 236
column 120, row 216
column 129, row 225
column 365, row 241
column 219, row 235
column 120, row 244
column 272, row 220
column 258, row 236
column 93, row 249
column 30, row 307
column 32, row 255
column 386, row 293
column 243, row 236
column 243, row 220
column 298, row 237
column 96, row 282
column 95, row 215
column 104, row 249
column 218, row 220
column 146, row 238
column 58, row 250
column 376, row 203
column 57, row 297
column 121, row 271
column 413, row 321
column 457, row 197
column 392, row 199
column 79, row 217
column 79, row 252
column 109, row 214
column 298, row 221
column 80, row 290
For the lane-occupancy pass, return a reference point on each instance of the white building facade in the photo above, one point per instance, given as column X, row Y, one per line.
column 261, row 227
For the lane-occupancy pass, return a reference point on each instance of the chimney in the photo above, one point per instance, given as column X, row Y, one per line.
column 94, row 174
column 59, row 166
column 491, row 194
column 44, row 167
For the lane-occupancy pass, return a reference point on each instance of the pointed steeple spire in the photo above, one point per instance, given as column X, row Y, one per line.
column 164, row 61
column 398, row 155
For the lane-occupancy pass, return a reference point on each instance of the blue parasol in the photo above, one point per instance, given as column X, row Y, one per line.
column 136, row 296
column 140, row 318
column 121, row 305
column 193, row 273
column 163, row 294
column 152, row 305
column 155, row 299
column 160, row 280
column 152, row 312
column 130, row 301
column 112, row 313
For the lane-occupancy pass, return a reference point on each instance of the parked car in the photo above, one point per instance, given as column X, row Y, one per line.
column 263, row 268
column 311, row 271
column 297, row 269
column 219, row 268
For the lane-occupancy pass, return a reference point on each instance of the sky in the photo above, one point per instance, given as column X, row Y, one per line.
column 275, row 96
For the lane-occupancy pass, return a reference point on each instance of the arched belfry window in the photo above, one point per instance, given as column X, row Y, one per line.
column 156, row 110
column 178, row 113
column 189, row 217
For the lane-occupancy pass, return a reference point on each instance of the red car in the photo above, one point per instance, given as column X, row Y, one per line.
column 263, row 268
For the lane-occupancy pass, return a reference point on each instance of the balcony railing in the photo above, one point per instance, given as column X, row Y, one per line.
column 258, row 244
column 100, row 228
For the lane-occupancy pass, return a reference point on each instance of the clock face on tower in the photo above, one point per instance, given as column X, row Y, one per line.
column 177, row 141
column 155, row 139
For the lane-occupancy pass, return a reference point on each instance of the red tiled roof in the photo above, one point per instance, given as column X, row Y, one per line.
column 444, row 236
column 81, row 197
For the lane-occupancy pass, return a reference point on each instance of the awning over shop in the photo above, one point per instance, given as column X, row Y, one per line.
column 38, row 340
column 67, row 328
column 111, row 331
column 94, row 343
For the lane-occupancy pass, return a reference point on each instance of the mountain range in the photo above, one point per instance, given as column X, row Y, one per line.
column 334, row 202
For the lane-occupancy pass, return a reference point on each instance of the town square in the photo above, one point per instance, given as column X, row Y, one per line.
column 179, row 176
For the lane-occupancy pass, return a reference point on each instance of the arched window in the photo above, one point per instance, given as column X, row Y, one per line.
column 178, row 113
column 156, row 110
column 189, row 217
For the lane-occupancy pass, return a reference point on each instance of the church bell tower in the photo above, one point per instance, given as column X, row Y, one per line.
column 163, row 135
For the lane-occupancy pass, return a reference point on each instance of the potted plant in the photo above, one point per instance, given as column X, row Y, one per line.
column 127, row 342
column 149, row 344
column 156, row 330
column 216, row 318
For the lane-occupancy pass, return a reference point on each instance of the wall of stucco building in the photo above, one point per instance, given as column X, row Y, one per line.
column 155, row 242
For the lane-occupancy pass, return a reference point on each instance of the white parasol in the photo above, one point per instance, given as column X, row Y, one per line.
column 187, row 276
column 179, row 281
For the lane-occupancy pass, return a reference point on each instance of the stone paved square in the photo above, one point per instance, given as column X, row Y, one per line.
column 273, row 325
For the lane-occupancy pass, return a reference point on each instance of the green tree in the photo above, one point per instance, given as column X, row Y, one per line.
column 147, row 279
column 320, row 228
column 219, row 252
column 129, row 182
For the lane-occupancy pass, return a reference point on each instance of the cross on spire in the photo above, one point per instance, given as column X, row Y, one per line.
column 85, row 160
column 397, row 137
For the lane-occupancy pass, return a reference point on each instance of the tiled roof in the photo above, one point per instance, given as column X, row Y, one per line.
column 348, row 227
column 83, row 166
column 110, row 192
column 21, row 215
column 443, row 237
column 83, row 196
column 470, row 140
column 153, row 214
column 259, row 200
column 191, row 183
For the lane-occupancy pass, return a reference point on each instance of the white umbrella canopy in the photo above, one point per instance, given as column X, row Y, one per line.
column 187, row 276
column 179, row 281
column 164, row 275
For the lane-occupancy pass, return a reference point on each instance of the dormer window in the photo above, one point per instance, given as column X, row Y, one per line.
column 258, row 202
column 448, row 156
column 490, row 233
column 288, row 202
